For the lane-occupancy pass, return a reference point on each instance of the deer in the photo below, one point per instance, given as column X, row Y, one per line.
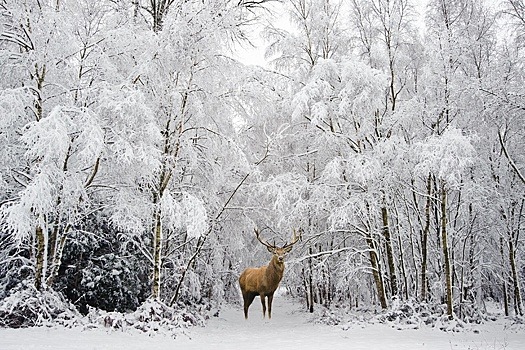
column 263, row 281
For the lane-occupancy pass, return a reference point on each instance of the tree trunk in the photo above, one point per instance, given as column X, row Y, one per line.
column 389, row 253
column 41, row 257
column 136, row 7
column 404, row 279
column 505, row 293
column 56, row 260
column 513, row 243
column 157, row 13
column 305, row 285
column 157, row 255
column 159, row 10
column 403, row 267
column 413, row 256
column 448, row 274
column 515, row 279
column 424, row 240
column 376, row 272
column 40, row 236
column 40, row 79
column 310, row 282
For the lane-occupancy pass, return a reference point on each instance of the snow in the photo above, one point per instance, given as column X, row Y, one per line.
column 290, row 328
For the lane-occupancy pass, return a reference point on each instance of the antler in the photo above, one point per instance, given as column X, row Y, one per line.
column 257, row 234
column 295, row 239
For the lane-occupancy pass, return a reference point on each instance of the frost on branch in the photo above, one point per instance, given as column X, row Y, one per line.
column 132, row 129
column 48, row 140
column 90, row 137
column 333, row 171
column 362, row 86
column 14, row 116
column 447, row 156
column 35, row 200
column 172, row 211
column 69, row 138
column 61, row 146
column 186, row 213
column 287, row 195
column 196, row 219
column 348, row 91
column 130, row 212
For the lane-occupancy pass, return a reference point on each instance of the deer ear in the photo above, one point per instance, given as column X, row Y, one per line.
column 270, row 249
column 288, row 249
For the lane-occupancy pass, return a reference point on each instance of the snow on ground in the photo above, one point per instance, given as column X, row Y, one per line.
column 290, row 328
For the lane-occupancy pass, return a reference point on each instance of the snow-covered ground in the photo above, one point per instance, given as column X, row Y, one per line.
column 290, row 328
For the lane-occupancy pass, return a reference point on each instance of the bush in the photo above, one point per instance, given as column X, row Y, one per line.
column 29, row 307
column 152, row 317
column 100, row 271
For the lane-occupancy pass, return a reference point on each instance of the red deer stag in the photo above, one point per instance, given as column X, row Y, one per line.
column 263, row 281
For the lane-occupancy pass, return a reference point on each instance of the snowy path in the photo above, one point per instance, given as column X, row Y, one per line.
column 289, row 328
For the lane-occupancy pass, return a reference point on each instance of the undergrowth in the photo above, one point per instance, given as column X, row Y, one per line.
column 29, row 308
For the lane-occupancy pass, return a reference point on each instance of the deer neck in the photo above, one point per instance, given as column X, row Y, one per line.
column 275, row 269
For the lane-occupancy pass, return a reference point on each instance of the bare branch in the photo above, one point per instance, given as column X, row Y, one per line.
column 511, row 161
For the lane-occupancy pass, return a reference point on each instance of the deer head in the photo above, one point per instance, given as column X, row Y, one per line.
column 278, row 252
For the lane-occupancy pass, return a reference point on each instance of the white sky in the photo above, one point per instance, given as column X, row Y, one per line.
column 255, row 55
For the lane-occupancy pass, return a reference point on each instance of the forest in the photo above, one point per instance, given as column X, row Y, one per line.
column 139, row 153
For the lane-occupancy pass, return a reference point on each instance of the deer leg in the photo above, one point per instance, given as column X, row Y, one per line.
column 248, row 299
column 270, row 300
column 263, row 302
